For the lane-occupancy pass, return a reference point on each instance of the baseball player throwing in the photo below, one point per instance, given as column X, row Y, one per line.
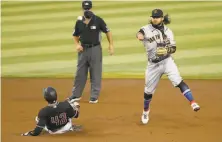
column 56, row 118
column 159, row 43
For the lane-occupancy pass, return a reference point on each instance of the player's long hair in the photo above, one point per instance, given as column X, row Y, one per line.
column 166, row 19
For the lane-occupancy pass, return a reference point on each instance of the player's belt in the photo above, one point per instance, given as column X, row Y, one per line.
column 159, row 59
column 89, row 45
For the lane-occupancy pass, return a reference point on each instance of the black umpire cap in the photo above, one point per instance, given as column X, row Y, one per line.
column 157, row 13
column 86, row 4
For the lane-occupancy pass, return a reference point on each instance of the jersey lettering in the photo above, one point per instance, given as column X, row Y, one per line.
column 63, row 118
column 59, row 120
column 154, row 38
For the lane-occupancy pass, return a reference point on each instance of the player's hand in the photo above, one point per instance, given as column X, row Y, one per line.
column 26, row 134
column 76, row 104
column 161, row 51
column 140, row 36
column 79, row 48
column 111, row 49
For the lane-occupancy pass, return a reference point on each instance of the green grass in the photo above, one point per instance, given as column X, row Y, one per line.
column 38, row 33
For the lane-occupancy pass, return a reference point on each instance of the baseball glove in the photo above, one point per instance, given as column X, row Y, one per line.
column 161, row 51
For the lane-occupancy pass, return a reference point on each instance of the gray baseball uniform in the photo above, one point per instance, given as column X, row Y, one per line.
column 158, row 66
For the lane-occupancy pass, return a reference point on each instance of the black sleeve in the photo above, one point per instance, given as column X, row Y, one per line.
column 42, row 119
column 171, row 49
column 72, row 113
column 142, row 31
column 76, row 31
column 36, row 131
column 103, row 26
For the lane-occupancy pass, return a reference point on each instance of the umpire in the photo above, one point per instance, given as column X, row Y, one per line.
column 87, row 38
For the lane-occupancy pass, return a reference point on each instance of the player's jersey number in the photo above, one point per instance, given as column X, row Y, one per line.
column 60, row 119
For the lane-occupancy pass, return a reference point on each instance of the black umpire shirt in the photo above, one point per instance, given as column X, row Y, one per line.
column 91, row 33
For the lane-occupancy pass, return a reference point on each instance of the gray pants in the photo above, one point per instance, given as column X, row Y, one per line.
column 155, row 71
column 89, row 59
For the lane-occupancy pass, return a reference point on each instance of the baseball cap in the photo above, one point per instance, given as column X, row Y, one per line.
column 157, row 13
column 86, row 4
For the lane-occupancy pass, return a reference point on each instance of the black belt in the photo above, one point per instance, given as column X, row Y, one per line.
column 159, row 59
column 89, row 45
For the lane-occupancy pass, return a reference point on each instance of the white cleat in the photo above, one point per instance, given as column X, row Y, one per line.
column 74, row 100
column 195, row 106
column 145, row 117
column 93, row 101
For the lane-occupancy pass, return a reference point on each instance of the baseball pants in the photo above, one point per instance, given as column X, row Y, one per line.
column 90, row 59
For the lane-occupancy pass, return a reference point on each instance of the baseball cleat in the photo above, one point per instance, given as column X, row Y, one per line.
column 74, row 99
column 145, row 117
column 93, row 101
column 195, row 106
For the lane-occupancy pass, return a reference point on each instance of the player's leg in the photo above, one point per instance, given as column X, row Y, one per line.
column 64, row 129
column 81, row 76
column 152, row 76
column 173, row 74
column 68, row 127
column 95, row 72
column 75, row 127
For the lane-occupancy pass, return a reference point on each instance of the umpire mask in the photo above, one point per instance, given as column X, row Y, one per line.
column 88, row 14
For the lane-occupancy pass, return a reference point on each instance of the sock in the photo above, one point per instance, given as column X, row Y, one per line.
column 189, row 96
column 146, row 104
column 186, row 91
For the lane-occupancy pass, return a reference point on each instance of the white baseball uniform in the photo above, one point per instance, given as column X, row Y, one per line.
column 167, row 66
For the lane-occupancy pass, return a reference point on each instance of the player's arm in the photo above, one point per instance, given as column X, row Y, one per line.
column 76, row 35
column 171, row 49
column 41, row 123
column 76, row 32
column 37, row 131
column 104, row 28
column 109, row 38
column 140, row 35
column 171, row 46
column 73, row 110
